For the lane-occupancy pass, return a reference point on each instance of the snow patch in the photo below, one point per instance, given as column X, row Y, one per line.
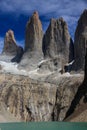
column 11, row 68
column 42, row 62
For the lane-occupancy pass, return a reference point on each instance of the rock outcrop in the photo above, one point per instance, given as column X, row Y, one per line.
column 57, row 42
column 78, row 107
column 42, row 93
column 80, row 42
column 34, row 34
column 33, row 43
column 31, row 100
column 10, row 46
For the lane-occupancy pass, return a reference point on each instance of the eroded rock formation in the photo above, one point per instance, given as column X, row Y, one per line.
column 10, row 46
column 57, row 42
column 30, row 100
column 33, row 43
column 78, row 108
column 81, row 42
column 34, row 34
column 49, row 95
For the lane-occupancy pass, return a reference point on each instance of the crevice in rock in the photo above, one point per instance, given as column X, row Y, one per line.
column 81, row 92
column 56, row 108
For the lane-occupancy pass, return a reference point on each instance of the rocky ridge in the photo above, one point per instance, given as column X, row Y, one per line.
column 47, row 92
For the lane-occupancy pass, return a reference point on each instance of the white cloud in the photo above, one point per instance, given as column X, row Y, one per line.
column 47, row 8
column 44, row 7
column 69, row 9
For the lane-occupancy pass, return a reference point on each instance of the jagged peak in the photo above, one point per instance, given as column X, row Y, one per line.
column 10, row 46
column 83, row 18
column 10, row 36
column 36, row 14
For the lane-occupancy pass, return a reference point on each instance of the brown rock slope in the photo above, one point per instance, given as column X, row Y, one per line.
column 30, row 100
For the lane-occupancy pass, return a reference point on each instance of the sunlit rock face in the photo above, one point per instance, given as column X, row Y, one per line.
column 28, row 101
column 33, row 43
column 10, row 46
column 32, row 100
column 34, row 34
column 37, row 89
column 81, row 42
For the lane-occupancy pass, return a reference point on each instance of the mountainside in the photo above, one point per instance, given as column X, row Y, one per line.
column 80, row 43
column 56, row 41
column 47, row 80
column 57, row 44
column 30, row 100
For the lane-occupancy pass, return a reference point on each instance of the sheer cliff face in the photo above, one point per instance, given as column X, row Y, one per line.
column 50, row 95
column 81, row 42
column 30, row 100
column 33, row 43
column 56, row 41
column 34, row 34
column 10, row 46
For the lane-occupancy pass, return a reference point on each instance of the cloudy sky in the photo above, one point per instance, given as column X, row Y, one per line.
column 15, row 13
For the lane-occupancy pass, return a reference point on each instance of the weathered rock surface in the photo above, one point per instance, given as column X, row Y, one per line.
column 33, row 43
column 30, row 100
column 10, row 46
column 81, row 42
column 57, row 42
column 44, row 94
column 34, row 34
column 80, row 114
column 78, row 107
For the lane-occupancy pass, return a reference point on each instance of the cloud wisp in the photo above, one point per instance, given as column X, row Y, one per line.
column 15, row 13
column 58, row 7
column 70, row 10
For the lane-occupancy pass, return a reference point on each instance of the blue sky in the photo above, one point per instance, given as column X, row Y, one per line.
column 15, row 13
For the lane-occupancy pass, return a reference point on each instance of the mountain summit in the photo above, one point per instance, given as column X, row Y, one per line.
column 34, row 34
column 33, row 43
column 10, row 46
column 81, row 41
